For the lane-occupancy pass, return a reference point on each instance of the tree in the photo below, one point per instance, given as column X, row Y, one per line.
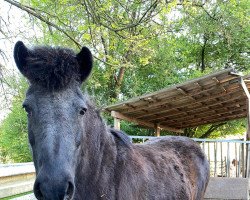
column 13, row 131
column 143, row 46
column 128, row 35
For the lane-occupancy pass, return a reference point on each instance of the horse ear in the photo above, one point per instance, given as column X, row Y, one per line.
column 85, row 61
column 20, row 55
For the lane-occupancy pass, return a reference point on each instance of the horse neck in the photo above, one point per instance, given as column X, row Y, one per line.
column 98, row 147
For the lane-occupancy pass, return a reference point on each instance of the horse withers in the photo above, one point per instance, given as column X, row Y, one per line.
column 76, row 156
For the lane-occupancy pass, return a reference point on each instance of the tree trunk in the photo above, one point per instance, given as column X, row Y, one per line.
column 203, row 66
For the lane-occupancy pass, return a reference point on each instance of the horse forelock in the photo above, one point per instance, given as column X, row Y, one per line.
column 52, row 68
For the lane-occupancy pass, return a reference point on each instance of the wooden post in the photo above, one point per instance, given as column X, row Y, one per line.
column 243, row 84
column 248, row 119
column 157, row 130
column 117, row 123
column 248, row 138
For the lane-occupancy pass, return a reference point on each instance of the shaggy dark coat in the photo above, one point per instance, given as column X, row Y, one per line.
column 78, row 157
column 173, row 168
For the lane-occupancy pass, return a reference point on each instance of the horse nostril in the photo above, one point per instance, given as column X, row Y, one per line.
column 37, row 191
column 70, row 190
column 53, row 189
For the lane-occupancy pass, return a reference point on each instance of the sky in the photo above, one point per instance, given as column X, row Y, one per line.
column 14, row 24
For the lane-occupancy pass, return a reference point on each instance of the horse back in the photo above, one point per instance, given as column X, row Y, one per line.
column 174, row 167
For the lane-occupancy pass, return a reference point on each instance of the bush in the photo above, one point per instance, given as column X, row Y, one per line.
column 14, row 145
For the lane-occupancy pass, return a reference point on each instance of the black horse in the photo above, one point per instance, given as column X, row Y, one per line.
column 77, row 156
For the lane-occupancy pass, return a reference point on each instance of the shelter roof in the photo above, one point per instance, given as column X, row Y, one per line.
column 213, row 98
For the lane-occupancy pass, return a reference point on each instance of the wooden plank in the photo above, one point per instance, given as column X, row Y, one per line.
column 181, row 100
column 175, row 96
column 213, row 116
column 228, row 98
column 218, row 83
column 207, row 121
column 193, row 102
column 144, row 123
column 200, row 121
column 199, row 112
column 182, row 91
column 196, row 119
column 216, row 80
column 166, row 90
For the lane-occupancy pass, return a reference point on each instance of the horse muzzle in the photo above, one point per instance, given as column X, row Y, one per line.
column 54, row 188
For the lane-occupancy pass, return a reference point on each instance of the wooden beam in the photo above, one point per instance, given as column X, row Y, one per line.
column 182, row 91
column 144, row 123
column 215, row 80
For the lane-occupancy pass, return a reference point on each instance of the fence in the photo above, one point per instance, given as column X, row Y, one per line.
column 227, row 158
column 16, row 178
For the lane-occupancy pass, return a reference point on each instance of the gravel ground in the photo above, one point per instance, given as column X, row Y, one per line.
column 26, row 197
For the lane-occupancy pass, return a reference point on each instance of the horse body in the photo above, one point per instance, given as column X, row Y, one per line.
column 77, row 156
column 162, row 168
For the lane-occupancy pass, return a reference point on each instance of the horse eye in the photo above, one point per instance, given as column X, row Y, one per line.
column 83, row 111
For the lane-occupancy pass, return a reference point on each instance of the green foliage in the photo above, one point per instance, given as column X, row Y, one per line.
column 221, row 28
column 139, row 47
column 219, row 130
column 142, row 46
column 13, row 132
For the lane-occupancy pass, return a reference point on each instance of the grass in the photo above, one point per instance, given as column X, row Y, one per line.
column 15, row 196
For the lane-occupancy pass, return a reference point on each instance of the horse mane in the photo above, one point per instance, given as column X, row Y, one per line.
column 121, row 138
column 52, row 67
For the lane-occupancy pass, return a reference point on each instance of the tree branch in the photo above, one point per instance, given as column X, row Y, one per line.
column 211, row 129
column 33, row 13
column 141, row 19
column 98, row 21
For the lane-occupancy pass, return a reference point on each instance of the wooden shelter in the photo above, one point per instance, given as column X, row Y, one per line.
column 214, row 98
